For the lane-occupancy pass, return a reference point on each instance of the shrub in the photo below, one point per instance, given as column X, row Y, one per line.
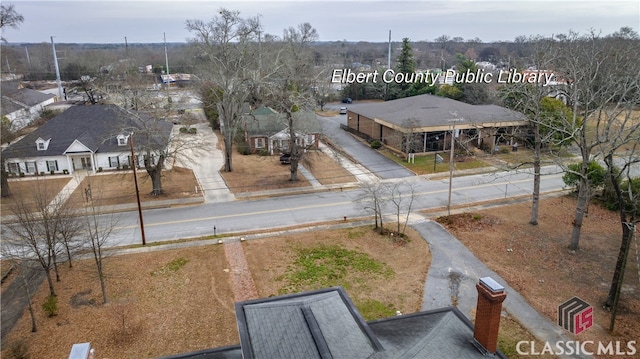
column 65, row 171
column 263, row 152
column 50, row 306
column 21, row 174
column 125, row 167
column 41, row 173
column 18, row 350
column 244, row 149
column 99, row 169
column 375, row 144
column 595, row 174
column 193, row 130
column 52, row 172
column 183, row 130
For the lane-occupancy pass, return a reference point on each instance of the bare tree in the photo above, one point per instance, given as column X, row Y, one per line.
column 38, row 222
column 228, row 51
column 373, row 196
column 529, row 99
column 594, row 68
column 617, row 131
column 401, row 197
column 290, row 90
column 9, row 18
column 98, row 227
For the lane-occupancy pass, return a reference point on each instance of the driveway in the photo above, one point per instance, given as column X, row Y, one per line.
column 363, row 154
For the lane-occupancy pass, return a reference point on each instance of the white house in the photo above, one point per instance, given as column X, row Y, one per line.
column 94, row 138
column 22, row 105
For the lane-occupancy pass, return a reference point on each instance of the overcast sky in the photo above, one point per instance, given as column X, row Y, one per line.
column 146, row 21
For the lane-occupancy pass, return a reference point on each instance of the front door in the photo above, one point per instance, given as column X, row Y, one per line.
column 86, row 162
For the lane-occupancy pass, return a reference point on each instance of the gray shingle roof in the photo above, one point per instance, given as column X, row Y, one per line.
column 429, row 111
column 95, row 126
column 15, row 98
column 325, row 324
column 267, row 123
column 318, row 324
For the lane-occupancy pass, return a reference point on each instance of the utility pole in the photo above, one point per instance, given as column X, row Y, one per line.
column 451, row 154
column 55, row 60
column 135, row 180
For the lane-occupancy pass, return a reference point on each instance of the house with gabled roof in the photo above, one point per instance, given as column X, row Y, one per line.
column 94, row 138
column 325, row 323
column 22, row 105
column 268, row 130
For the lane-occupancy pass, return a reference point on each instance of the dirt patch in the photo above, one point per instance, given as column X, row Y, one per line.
column 190, row 307
column 536, row 262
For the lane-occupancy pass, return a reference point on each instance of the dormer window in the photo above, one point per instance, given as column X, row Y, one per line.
column 41, row 144
column 122, row 140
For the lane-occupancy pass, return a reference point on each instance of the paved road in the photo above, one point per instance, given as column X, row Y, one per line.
column 372, row 160
column 270, row 213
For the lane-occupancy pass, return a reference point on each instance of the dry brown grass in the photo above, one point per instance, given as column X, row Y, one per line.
column 23, row 190
column 192, row 308
column 259, row 173
column 119, row 187
column 541, row 268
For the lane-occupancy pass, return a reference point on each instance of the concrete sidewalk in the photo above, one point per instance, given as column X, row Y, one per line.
column 454, row 273
column 205, row 160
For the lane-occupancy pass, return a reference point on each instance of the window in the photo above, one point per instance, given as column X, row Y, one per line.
column 14, row 167
column 114, row 161
column 260, row 142
column 52, row 166
column 41, row 144
column 30, row 166
column 122, row 141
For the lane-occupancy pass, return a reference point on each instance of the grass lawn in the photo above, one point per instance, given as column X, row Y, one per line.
column 180, row 300
column 535, row 260
column 33, row 190
column 425, row 164
column 258, row 173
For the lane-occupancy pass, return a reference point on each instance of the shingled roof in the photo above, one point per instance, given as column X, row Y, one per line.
column 14, row 98
column 94, row 126
column 432, row 111
column 325, row 324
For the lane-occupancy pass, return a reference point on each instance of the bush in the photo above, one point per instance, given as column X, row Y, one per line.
column 18, row 350
column 193, row 130
column 99, row 169
column 41, row 173
column 125, row 167
column 52, row 172
column 264, row 152
column 50, row 306
column 183, row 130
column 375, row 144
column 21, row 174
column 595, row 174
column 243, row 149
column 65, row 171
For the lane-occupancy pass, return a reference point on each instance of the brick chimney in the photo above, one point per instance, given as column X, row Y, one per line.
column 488, row 310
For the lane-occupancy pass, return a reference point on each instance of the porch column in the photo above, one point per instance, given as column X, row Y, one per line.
column 70, row 163
column 93, row 162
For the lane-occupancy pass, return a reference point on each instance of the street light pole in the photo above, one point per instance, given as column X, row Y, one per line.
column 453, row 134
column 135, row 180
